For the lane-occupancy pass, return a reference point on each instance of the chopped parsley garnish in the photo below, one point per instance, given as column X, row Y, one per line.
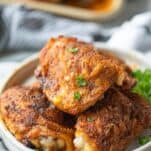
column 81, row 81
column 144, row 140
column 37, row 149
column 73, row 50
column 143, row 86
column 90, row 119
column 77, row 95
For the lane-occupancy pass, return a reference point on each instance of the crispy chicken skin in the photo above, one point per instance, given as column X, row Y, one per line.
column 143, row 109
column 128, row 81
column 34, row 121
column 113, row 123
column 66, row 61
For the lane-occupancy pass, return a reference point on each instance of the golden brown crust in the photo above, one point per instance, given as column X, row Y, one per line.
column 142, row 107
column 129, row 81
column 29, row 116
column 60, row 68
column 114, row 123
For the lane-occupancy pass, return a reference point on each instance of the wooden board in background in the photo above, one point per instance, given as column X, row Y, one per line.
column 69, row 11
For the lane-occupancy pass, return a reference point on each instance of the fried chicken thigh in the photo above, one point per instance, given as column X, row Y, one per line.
column 74, row 75
column 112, row 123
column 34, row 121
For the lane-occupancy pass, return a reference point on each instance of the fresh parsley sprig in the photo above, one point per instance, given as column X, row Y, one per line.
column 81, row 81
column 143, row 86
column 144, row 140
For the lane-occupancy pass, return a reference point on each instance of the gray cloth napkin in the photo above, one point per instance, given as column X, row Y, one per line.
column 24, row 29
column 135, row 34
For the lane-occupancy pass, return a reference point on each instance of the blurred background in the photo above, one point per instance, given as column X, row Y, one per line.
column 25, row 25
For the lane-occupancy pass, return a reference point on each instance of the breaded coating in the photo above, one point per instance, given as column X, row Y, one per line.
column 113, row 123
column 128, row 81
column 74, row 75
column 34, row 121
column 142, row 107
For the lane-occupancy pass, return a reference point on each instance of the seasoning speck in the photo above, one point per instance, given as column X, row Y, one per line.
column 90, row 119
column 72, row 50
column 81, row 81
column 77, row 95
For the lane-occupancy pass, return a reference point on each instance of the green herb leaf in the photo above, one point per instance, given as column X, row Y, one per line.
column 72, row 50
column 144, row 140
column 77, row 95
column 90, row 119
column 81, row 81
column 37, row 149
column 143, row 86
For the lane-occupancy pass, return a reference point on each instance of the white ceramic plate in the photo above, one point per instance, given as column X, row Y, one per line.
column 23, row 74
